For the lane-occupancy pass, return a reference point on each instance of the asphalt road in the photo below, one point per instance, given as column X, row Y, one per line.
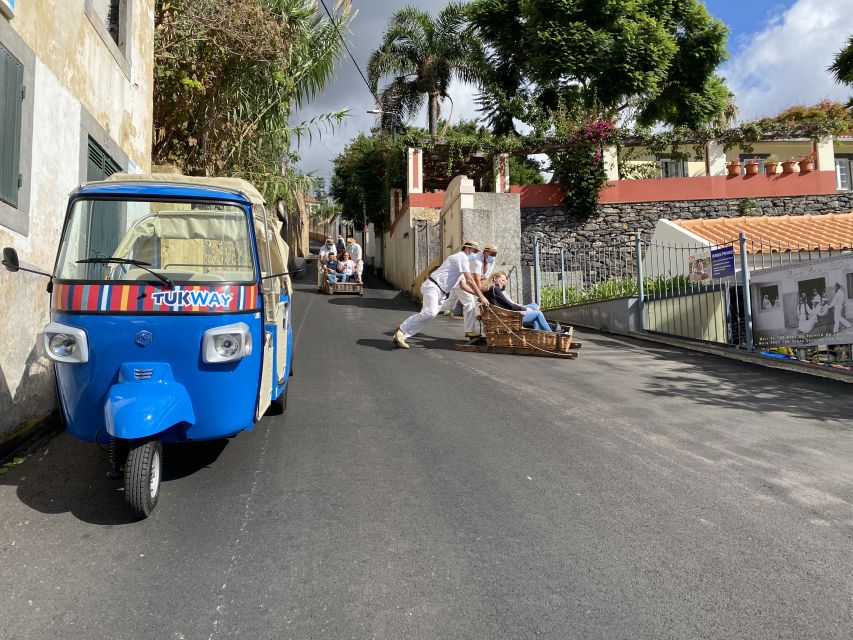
column 637, row 492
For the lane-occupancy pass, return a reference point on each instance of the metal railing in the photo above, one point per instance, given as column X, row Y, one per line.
column 688, row 290
column 568, row 273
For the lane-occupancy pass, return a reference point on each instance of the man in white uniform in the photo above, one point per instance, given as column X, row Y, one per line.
column 324, row 251
column 438, row 286
column 837, row 303
column 482, row 269
column 356, row 255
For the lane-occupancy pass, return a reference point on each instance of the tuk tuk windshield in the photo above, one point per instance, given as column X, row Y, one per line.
column 176, row 242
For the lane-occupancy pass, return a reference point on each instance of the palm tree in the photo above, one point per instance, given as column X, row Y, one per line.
column 842, row 66
column 423, row 55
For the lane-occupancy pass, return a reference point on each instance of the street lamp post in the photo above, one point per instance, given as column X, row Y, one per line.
column 396, row 118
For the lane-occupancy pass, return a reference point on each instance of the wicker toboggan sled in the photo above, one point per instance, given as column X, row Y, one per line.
column 505, row 334
column 330, row 288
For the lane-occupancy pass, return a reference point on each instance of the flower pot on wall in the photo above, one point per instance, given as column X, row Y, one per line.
column 806, row 166
column 733, row 168
column 770, row 167
column 788, row 166
column 751, row 168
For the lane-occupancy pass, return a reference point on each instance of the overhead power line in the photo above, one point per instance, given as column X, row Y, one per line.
column 344, row 42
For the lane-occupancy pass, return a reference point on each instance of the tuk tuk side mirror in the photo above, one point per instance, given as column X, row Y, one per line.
column 10, row 259
column 299, row 268
column 13, row 264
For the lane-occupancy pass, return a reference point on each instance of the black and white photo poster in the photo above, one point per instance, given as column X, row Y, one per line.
column 804, row 304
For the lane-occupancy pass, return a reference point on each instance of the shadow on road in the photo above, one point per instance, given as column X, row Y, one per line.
column 720, row 383
column 69, row 476
column 418, row 342
column 397, row 303
column 182, row 460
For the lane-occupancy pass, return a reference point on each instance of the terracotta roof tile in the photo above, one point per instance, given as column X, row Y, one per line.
column 772, row 234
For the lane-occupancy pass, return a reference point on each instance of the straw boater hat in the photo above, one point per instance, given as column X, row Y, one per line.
column 329, row 239
column 351, row 240
column 471, row 244
column 491, row 247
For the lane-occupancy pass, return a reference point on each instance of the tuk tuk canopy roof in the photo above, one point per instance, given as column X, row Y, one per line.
column 236, row 185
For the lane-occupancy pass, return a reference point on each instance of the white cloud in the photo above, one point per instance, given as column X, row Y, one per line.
column 785, row 62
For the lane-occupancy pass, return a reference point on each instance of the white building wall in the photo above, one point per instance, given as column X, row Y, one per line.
column 75, row 87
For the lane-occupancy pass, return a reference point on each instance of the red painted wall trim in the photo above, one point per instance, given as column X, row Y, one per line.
column 702, row 188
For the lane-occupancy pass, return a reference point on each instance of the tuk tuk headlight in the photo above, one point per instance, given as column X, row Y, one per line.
column 65, row 344
column 226, row 344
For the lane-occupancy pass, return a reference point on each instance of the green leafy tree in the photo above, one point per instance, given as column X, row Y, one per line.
column 369, row 167
column 524, row 170
column 842, row 67
column 600, row 59
column 422, row 56
column 228, row 77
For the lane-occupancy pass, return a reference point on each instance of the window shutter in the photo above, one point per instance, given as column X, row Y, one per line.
column 101, row 165
column 11, row 96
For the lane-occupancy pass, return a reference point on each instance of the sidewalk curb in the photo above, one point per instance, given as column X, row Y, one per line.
column 30, row 437
column 785, row 365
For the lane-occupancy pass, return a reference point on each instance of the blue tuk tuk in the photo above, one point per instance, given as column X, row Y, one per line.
column 170, row 318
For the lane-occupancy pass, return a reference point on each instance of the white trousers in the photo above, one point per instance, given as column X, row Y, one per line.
column 432, row 297
column 469, row 307
column 360, row 267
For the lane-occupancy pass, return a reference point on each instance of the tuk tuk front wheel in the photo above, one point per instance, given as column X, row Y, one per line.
column 142, row 473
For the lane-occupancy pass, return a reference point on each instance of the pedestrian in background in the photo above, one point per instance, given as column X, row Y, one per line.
column 437, row 287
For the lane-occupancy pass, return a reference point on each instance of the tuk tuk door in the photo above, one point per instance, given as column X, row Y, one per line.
column 273, row 257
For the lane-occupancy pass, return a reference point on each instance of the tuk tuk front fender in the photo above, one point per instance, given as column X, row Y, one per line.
column 146, row 401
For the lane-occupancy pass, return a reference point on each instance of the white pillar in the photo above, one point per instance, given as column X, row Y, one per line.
column 715, row 159
column 501, row 171
column 825, row 152
column 610, row 158
column 415, row 170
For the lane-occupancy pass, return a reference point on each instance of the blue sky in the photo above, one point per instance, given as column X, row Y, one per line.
column 779, row 53
column 744, row 17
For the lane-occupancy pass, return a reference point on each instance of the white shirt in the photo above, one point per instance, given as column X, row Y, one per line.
column 477, row 270
column 451, row 270
column 348, row 267
column 325, row 249
column 838, row 299
column 354, row 251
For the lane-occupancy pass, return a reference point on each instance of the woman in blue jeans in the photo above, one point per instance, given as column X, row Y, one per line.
column 496, row 294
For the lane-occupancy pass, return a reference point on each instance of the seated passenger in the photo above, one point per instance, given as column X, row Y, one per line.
column 330, row 267
column 347, row 268
column 496, row 294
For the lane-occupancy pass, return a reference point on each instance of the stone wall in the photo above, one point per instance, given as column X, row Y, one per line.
column 617, row 223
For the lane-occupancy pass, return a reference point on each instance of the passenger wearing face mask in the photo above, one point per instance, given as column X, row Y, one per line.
column 482, row 267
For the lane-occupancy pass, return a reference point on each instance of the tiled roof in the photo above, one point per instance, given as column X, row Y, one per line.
column 766, row 234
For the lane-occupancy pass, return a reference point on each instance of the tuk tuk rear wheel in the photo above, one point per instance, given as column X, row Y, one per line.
column 142, row 474
column 279, row 405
